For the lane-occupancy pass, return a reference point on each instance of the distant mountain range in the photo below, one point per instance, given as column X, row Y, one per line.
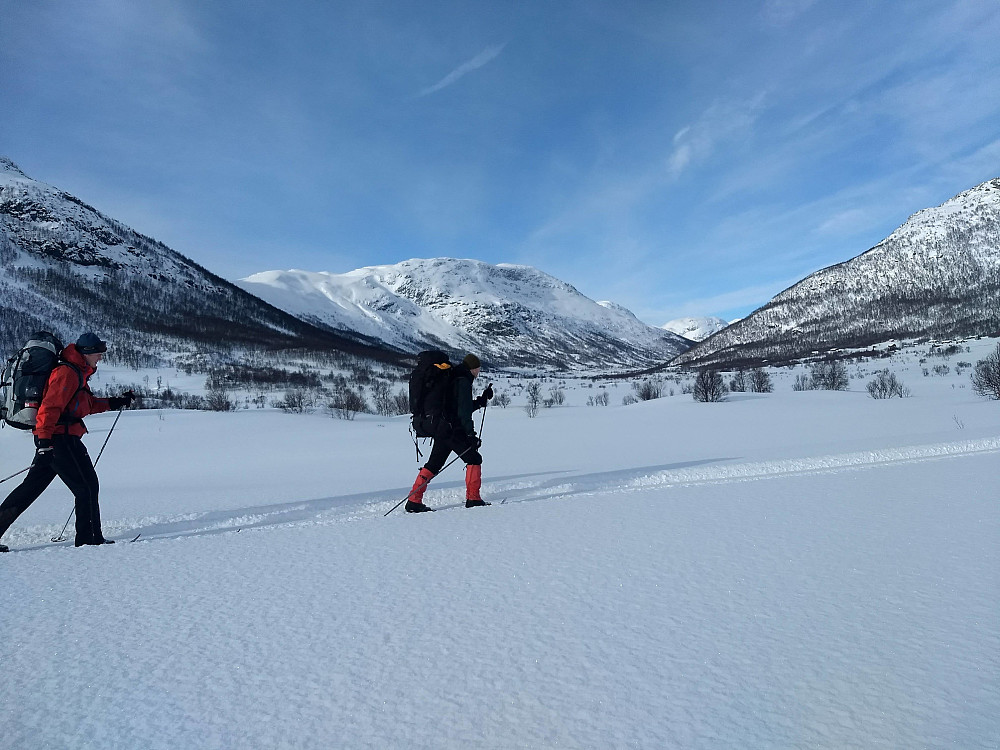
column 936, row 276
column 513, row 316
column 66, row 267
column 695, row 329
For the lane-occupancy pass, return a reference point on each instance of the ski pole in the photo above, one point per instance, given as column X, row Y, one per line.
column 60, row 537
column 114, row 424
column 417, row 489
column 483, row 420
column 14, row 475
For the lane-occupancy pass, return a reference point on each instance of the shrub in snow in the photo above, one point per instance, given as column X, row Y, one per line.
column 647, row 390
column 829, row 376
column 294, row 402
column 346, row 404
column 760, row 381
column 533, row 393
column 709, row 386
column 402, row 401
column 217, row 397
column 887, row 385
column 802, row 383
column 629, row 398
column 502, row 399
column 986, row 376
column 387, row 403
column 738, row 383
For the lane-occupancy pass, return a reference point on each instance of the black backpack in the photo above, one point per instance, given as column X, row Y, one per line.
column 430, row 392
column 24, row 378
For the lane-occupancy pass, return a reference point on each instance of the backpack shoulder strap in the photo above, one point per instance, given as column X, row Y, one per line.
column 64, row 418
column 74, row 368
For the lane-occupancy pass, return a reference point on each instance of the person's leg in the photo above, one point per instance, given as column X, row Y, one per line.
column 416, row 497
column 440, row 450
column 22, row 496
column 435, row 462
column 473, row 479
column 76, row 470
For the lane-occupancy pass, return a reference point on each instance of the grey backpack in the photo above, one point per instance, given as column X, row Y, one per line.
column 24, row 378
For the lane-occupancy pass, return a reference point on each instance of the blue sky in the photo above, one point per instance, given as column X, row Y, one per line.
column 676, row 157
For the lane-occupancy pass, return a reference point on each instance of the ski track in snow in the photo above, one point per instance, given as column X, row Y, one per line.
column 796, row 615
column 375, row 504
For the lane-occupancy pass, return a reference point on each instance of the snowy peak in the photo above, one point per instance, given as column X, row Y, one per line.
column 614, row 306
column 9, row 167
column 937, row 275
column 52, row 225
column 64, row 265
column 695, row 329
column 511, row 315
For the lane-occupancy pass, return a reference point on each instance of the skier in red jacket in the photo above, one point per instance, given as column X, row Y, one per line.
column 59, row 449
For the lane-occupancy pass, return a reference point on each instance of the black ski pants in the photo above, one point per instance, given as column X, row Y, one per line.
column 72, row 464
column 446, row 441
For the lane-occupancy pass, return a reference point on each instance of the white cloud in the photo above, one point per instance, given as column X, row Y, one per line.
column 488, row 54
column 723, row 122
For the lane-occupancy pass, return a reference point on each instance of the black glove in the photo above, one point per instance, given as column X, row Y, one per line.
column 481, row 401
column 43, row 452
column 474, row 442
column 121, row 402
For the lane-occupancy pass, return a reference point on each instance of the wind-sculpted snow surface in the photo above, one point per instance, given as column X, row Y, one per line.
column 793, row 614
column 647, row 577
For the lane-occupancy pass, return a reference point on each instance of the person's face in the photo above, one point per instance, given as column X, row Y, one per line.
column 475, row 373
column 93, row 359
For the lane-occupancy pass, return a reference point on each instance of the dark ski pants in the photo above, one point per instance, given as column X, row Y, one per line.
column 72, row 464
column 444, row 444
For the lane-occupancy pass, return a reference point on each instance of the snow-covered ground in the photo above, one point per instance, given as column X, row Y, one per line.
column 795, row 569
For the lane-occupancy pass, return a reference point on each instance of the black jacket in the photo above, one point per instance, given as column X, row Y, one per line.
column 464, row 404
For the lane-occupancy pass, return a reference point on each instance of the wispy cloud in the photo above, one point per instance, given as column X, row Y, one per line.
column 783, row 12
column 724, row 121
column 487, row 55
column 728, row 304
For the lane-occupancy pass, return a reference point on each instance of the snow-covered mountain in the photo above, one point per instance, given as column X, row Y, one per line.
column 695, row 329
column 938, row 275
column 511, row 315
column 64, row 266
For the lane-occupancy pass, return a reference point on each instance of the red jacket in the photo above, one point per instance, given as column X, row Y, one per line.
column 68, row 398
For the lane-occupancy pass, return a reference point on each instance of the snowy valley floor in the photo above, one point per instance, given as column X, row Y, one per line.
column 796, row 570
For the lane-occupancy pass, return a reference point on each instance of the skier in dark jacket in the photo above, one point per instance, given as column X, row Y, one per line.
column 456, row 432
column 59, row 448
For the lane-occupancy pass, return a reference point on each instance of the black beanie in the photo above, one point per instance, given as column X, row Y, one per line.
column 90, row 343
column 472, row 361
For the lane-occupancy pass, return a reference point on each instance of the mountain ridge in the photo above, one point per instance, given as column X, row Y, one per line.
column 936, row 276
column 511, row 314
column 67, row 267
